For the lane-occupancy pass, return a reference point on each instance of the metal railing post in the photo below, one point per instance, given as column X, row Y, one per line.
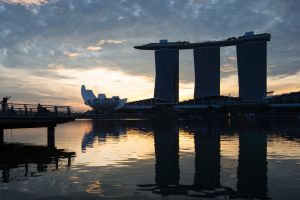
column 56, row 111
column 25, row 108
column 69, row 111
column 32, row 110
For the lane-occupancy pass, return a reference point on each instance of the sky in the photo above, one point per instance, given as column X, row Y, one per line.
column 49, row 48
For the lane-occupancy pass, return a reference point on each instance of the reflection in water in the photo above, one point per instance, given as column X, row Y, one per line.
column 252, row 168
column 207, row 159
column 252, row 159
column 100, row 130
column 205, row 170
column 166, row 138
column 21, row 160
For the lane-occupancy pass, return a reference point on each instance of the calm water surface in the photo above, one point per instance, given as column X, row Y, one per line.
column 136, row 159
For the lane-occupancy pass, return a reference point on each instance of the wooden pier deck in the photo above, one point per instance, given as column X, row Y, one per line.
column 18, row 115
column 34, row 116
column 34, row 122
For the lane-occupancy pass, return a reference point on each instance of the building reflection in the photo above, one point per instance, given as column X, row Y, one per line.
column 251, row 172
column 251, row 181
column 101, row 130
column 252, row 168
column 166, row 141
column 207, row 159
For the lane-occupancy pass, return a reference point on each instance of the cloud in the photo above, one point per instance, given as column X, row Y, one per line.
column 229, row 64
column 3, row 54
column 36, row 88
column 71, row 54
column 26, row 2
column 114, row 41
column 284, row 84
column 231, row 59
column 51, row 32
column 94, row 48
column 228, row 68
column 102, row 42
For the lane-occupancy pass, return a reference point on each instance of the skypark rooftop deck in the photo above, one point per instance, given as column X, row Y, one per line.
column 164, row 44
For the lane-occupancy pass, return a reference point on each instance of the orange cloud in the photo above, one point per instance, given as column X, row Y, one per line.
column 285, row 84
column 94, row 48
column 26, row 2
column 71, row 54
column 114, row 41
column 228, row 68
column 110, row 41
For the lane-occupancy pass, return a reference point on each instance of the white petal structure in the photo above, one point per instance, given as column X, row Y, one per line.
column 102, row 102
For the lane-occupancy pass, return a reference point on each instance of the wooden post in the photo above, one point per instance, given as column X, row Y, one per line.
column 69, row 161
column 1, row 137
column 56, row 162
column 26, row 169
column 51, row 137
column 5, row 175
column 69, row 111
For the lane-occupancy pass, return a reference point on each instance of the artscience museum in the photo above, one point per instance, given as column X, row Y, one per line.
column 101, row 103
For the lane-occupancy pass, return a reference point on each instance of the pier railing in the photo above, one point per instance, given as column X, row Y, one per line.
column 34, row 110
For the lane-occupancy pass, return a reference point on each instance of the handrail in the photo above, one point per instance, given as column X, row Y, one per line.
column 34, row 110
column 44, row 105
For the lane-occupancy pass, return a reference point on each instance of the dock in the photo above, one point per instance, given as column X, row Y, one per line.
column 18, row 115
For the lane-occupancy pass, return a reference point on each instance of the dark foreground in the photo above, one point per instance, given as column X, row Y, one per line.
column 143, row 159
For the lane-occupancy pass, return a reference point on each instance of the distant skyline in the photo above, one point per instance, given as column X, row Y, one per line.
column 49, row 48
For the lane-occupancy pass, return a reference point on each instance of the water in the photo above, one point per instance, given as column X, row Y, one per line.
column 136, row 159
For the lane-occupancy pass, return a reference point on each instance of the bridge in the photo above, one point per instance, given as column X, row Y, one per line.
column 19, row 115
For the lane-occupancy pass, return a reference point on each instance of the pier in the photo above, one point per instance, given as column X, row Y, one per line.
column 17, row 115
column 22, row 160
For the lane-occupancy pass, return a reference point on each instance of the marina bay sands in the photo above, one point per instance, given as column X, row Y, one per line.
column 251, row 62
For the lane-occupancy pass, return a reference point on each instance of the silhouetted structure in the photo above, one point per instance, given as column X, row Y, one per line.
column 1, row 137
column 207, row 71
column 4, row 104
column 252, row 70
column 101, row 103
column 285, row 99
column 32, row 116
column 167, row 75
column 251, row 58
